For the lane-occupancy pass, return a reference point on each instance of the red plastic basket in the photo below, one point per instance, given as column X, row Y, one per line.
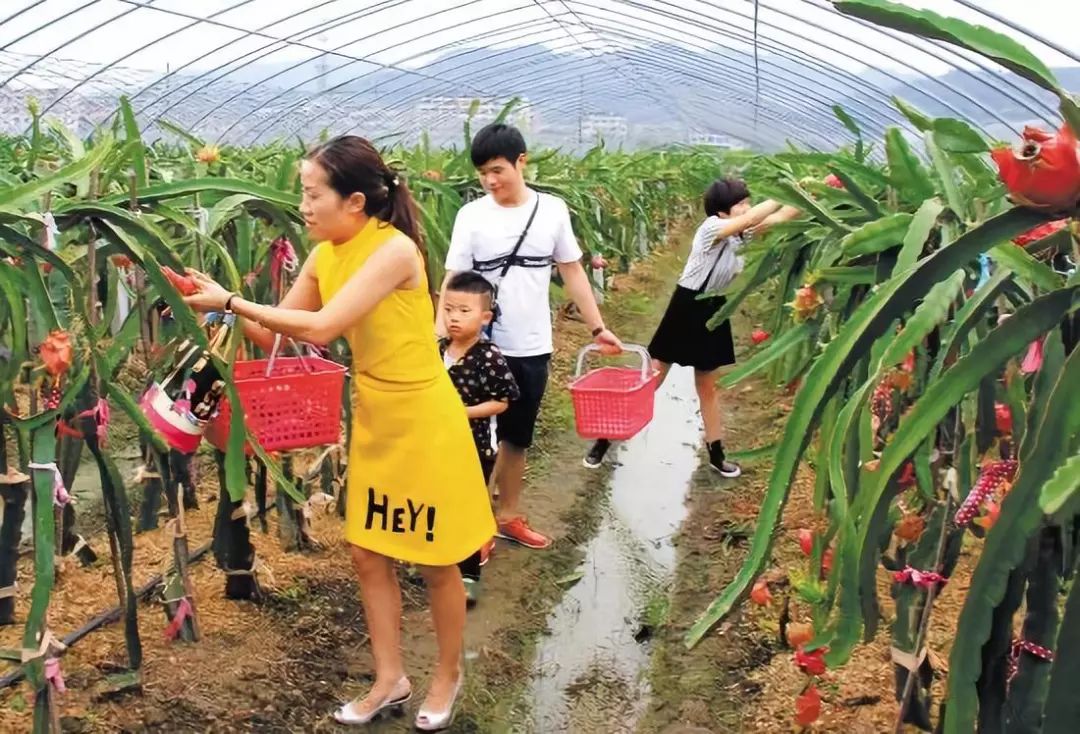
column 288, row 402
column 613, row 402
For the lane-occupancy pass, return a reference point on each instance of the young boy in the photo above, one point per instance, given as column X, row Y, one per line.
column 482, row 378
column 513, row 236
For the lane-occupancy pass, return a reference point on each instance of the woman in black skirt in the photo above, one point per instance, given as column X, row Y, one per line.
column 683, row 336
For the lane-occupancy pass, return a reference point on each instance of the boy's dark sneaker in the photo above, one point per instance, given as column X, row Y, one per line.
column 595, row 457
column 719, row 463
column 472, row 592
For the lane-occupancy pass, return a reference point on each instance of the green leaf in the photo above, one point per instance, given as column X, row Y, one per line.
column 922, row 224
column 180, row 132
column 17, row 196
column 1044, row 449
column 1062, row 707
column 918, row 119
column 934, row 309
column 957, row 136
column 851, row 186
column 850, row 124
column 1062, row 487
column 138, row 150
column 906, row 173
column 1070, row 110
column 947, row 173
column 1018, row 260
column 837, row 360
column 969, row 315
column 928, row 24
column 224, row 186
column 848, row 274
column 881, row 234
column 792, row 194
column 780, row 346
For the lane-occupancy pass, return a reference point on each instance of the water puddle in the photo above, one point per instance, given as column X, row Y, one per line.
column 591, row 669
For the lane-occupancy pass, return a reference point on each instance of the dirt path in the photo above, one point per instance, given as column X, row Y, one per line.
column 285, row 664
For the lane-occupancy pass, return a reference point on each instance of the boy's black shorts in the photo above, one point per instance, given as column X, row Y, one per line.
column 516, row 425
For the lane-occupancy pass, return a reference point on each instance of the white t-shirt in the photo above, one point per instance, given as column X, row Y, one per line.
column 485, row 234
column 707, row 254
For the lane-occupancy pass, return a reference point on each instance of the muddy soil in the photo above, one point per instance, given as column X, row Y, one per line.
column 283, row 665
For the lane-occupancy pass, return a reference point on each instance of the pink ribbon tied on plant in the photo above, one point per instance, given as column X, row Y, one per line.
column 1033, row 360
column 1019, row 647
column 54, row 675
column 183, row 611
column 60, row 493
column 282, row 257
column 101, row 415
column 920, row 579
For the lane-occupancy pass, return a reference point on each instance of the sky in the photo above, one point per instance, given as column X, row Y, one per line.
column 155, row 34
column 152, row 37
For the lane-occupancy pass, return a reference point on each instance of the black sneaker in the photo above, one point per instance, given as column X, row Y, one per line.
column 717, row 461
column 595, row 457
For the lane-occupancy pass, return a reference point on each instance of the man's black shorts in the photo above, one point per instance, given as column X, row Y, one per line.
column 516, row 425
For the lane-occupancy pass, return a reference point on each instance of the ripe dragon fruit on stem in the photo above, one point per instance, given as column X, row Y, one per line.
column 1043, row 171
column 993, row 476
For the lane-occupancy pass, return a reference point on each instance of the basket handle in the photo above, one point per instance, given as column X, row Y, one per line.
column 646, row 360
column 277, row 348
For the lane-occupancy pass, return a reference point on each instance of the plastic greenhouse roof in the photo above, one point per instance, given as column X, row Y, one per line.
column 634, row 72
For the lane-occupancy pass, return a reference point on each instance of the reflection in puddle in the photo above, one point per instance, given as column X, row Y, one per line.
column 591, row 673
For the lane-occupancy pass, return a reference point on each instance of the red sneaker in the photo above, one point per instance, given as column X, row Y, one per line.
column 518, row 530
column 485, row 551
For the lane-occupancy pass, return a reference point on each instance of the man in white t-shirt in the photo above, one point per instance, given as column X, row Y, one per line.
column 485, row 235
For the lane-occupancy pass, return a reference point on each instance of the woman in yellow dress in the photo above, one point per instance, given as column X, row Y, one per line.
column 415, row 488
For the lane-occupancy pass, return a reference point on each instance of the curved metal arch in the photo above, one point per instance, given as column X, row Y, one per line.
column 19, row 12
column 862, row 62
column 954, row 90
column 256, row 55
column 739, row 126
column 65, row 44
column 870, row 112
column 71, row 90
column 322, row 53
column 208, row 54
column 466, row 42
column 918, row 43
column 794, row 115
column 651, row 59
column 783, row 50
column 436, row 50
column 43, row 26
column 592, row 74
column 501, row 71
column 793, row 112
column 1020, row 29
column 617, row 67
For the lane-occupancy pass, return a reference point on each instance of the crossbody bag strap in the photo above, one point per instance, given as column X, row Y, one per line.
column 712, row 268
column 517, row 246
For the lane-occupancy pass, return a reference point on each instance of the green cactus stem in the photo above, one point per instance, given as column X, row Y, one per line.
column 233, row 551
column 1028, row 689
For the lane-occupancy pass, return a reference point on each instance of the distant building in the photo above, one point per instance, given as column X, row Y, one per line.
column 716, row 140
column 607, row 128
column 435, row 114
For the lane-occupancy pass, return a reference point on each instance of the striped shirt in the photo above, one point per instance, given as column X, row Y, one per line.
column 718, row 261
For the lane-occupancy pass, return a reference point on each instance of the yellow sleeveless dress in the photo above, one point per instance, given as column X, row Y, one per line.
column 415, row 489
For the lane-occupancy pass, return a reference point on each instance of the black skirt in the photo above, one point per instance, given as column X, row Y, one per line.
column 684, row 338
